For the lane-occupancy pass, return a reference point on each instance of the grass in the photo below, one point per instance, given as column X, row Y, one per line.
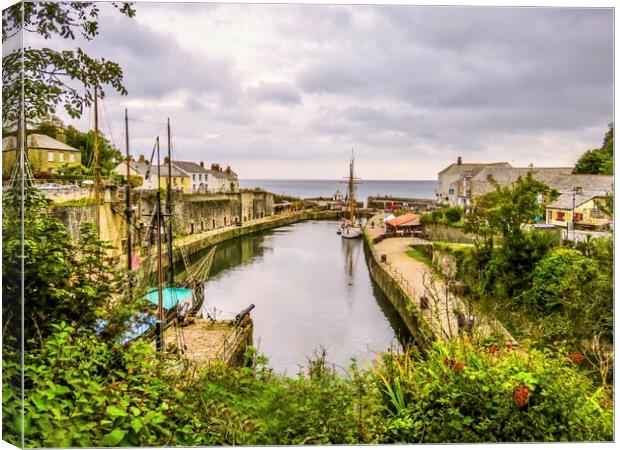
column 419, row 256
column 78, row 202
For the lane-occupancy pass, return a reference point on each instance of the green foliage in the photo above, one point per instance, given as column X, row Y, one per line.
column 72, row 172
column 509, row 271
column 573, row 296
column 82, row 390
column 468, row 393
column 507, row 209
column 50, row 76
column 599, row 160
column 65, row 280
column 447, row 215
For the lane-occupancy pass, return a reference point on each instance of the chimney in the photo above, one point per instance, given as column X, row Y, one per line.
column 489, row 176
column 459, row 160
column 61, row 136
column 228, row 170
column 202, row 164
column 165, row 160
column 141, row 158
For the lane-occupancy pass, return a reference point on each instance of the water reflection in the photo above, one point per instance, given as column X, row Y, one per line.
column 311, row 288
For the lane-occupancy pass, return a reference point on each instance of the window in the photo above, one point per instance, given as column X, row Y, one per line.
column 450, row 191
column 559, row 216
column 194, row 177
column 71, row 158
column 578, row 217
column 549, row 216
column 61, row 157
column 50, row 156
column 193, row 188
column 200, row 176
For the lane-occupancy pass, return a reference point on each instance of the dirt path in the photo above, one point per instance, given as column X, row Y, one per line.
column 417, row 279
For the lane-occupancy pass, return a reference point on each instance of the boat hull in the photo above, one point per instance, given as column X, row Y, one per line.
column 350, row 232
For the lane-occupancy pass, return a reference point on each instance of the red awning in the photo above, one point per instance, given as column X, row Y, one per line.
column 404, row 220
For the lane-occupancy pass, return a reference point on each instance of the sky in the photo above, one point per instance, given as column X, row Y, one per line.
column 287, row 91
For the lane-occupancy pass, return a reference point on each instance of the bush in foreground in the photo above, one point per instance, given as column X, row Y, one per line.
column 82, row 390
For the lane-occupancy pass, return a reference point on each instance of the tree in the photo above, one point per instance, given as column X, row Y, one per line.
column 64, row 280
column 506, row 270
column 507, row 209
column 599, row 160
column 49, row 77
column 570, row 288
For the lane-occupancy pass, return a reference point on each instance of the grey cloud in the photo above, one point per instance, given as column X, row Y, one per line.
column 282, row 93
column 403, row 82
column 155, row 65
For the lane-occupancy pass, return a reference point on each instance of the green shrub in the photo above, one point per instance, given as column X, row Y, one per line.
column 465, row 393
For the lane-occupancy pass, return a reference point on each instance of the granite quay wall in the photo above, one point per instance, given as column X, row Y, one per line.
column 402, row 300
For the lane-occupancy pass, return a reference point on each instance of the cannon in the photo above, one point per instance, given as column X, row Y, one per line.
column 244, row 312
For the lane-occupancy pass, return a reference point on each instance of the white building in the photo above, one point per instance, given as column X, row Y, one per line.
column 455, row 177
column 198, row 175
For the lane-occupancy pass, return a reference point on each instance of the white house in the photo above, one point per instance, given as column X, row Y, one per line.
column 198, row 175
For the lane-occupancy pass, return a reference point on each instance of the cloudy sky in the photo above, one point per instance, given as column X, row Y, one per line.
column 286, row 91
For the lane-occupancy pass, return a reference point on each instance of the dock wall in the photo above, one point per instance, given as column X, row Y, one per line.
column 401, row 300
column 189, row 245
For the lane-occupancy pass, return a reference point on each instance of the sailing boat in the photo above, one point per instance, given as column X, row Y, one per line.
column 182, row 298
column 350, row 227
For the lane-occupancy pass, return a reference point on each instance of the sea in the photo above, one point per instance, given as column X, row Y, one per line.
column 326, row 188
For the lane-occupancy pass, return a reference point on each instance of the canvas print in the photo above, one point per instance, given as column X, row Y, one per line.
column 298, row 224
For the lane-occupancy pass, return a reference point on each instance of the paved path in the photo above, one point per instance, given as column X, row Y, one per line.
column 204, row 341
column 418, row 280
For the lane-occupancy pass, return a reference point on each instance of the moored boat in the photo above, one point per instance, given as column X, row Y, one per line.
column 350, row 227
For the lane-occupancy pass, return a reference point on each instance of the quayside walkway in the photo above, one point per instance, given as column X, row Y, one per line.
column 428, row 292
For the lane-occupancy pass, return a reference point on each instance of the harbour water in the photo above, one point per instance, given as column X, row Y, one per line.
column 326, row 188
column 311, row 289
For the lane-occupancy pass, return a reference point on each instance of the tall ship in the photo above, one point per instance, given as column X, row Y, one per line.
column 350, row 227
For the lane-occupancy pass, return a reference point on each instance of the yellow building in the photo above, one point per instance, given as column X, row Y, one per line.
column 44, row 153
column 588, row 214
column 179, row 180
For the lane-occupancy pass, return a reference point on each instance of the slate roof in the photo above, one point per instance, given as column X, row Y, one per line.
column 506, row 176
column 163, row 171
column 38, row 141
column 592, row 186
column 189, row 167
column 455, row 168
column 218, row 174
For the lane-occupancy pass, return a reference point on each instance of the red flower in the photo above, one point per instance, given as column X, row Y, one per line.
column 448, row 362
column 458, row 367
column 521, row 393
column 576, row 357
column 509, row 346
column 494, row 350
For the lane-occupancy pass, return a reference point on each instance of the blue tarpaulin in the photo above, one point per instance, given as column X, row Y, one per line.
column 172, row 296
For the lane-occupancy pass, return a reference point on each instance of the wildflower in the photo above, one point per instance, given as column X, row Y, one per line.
column 458, row 367
column 576, row 357
column 448, row 362
column 521, row 394
column 494, row 350
column 509, row 346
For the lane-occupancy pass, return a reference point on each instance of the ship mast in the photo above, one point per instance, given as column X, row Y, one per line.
column 128, row 200
column 169, row 213
column 97, row 165
column 351, row 190
column 160, row 307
